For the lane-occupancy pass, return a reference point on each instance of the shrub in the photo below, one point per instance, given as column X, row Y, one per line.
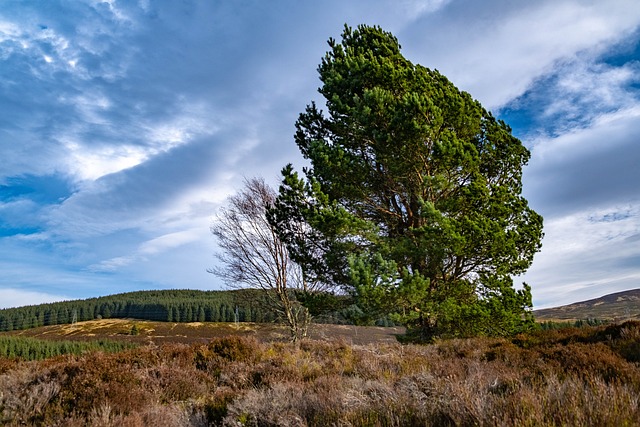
column 555, row 377
column 235, row 349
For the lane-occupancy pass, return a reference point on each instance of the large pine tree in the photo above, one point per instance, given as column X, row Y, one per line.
column 413, row 198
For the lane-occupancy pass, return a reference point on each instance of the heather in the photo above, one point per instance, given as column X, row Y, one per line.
column 587, row 376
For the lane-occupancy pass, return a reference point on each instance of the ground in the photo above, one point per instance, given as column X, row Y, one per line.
column 171, row 332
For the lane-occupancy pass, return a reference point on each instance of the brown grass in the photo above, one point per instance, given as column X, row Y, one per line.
column 586, row 377
column 158, row 333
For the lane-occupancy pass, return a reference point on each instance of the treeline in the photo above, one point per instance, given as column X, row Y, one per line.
column 166, row 305
column 244, row 305
column 35, row 349
column 580, row 323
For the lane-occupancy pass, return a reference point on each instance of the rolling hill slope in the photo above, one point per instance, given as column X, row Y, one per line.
column 615, row 307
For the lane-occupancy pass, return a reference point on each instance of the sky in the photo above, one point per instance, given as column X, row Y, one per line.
column 124, row 126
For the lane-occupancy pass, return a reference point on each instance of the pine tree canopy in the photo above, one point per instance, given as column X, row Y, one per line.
column 412, row 201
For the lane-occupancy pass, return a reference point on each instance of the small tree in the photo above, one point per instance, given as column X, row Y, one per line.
column 253, row 256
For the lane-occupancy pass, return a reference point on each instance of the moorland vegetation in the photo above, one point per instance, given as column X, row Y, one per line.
column 587, row 377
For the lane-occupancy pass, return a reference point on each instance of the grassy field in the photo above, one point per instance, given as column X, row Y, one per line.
column 215, row 374
column 188, row 333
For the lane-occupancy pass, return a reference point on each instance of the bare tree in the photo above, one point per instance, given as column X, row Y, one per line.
column 253, row 256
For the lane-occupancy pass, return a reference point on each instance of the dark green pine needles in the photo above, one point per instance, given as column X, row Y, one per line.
column 412, row 202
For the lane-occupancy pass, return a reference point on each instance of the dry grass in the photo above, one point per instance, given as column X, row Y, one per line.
column 586, row 377
column 158, row 333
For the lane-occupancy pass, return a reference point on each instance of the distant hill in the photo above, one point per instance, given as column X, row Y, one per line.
column 616, row 307
column 175, row 305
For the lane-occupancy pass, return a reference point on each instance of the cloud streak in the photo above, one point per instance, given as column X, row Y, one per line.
column 497, row 49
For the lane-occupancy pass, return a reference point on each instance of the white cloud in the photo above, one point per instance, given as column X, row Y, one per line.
column 119, row 13
column 97, row 146
column 169, row 241
column 187, row 122
column 495, row 50
column 416, row 8
column 89, row 164
column 157, row 258
column 38, row 41
column 595, row 88
column 588, row 168
column 584, row 182
column 8, row 30
column 576, row 95
column 10, row 297
column 583, row 142
column 113, row 264
column 586, row 255
column 152, row 248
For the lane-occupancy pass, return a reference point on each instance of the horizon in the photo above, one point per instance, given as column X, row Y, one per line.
column 240, row 289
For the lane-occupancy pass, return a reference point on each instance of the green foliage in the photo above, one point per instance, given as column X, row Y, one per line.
column 167, row 305
column 34, row 349
column 413, row 199
column 580, row 323
column 134, row 330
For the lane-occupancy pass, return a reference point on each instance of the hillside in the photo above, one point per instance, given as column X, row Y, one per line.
column 164, row 305
column 157, row 333
column 184, row 306
column 188, row 306
column 615, row 307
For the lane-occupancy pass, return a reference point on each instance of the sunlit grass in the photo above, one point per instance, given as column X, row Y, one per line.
column 587, row 376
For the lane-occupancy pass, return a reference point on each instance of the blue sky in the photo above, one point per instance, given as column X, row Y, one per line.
column 125, row 125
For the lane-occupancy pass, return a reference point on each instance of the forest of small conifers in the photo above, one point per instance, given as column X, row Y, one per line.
column 246, row 305
column 163, row 305
column 25, row 348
